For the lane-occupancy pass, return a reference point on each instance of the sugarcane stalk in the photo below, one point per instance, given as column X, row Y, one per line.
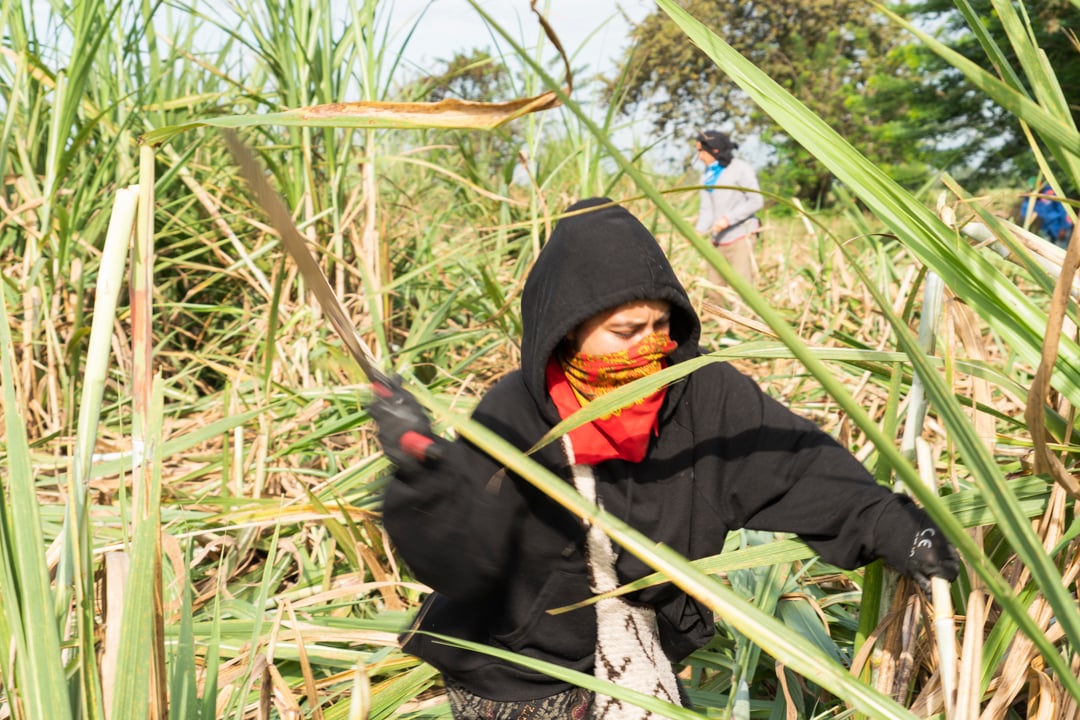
column 945, row 634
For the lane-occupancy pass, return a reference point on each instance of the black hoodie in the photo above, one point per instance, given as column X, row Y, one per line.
column 499, row 553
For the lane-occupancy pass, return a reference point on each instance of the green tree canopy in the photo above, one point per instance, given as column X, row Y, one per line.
column 970, row 136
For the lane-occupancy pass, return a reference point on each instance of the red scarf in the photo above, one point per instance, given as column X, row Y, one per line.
column 625, row 433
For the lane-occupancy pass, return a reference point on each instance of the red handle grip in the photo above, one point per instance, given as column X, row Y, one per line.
column 419, row 446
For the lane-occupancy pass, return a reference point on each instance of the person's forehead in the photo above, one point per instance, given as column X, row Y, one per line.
column 638, row 306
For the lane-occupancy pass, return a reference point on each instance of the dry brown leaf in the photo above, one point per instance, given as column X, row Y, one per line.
column 1044, row 697
column 287, row 706
column 1034, row 414
column 790, row 713
column 305, row 667
column 1014, row 671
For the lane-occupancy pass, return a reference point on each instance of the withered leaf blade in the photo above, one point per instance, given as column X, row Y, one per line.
column 293, row 241
column 448, row 114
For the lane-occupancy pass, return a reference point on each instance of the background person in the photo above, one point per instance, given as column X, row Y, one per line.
column 705, row 455
column 1053, row 220
column 728, row 214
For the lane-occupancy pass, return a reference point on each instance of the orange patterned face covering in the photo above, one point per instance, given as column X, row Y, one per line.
column 624, row 434
column 591, row 376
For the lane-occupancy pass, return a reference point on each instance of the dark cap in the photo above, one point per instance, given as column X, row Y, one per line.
column 717, row 144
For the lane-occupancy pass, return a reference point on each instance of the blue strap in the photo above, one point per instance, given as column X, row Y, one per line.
column 712, row 173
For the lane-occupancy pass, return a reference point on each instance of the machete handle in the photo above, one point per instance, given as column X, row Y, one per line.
column 416, row 444
column 420, row 446
column 382, row 388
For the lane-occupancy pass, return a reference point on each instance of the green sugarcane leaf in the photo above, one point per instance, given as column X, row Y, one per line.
column 39, row 681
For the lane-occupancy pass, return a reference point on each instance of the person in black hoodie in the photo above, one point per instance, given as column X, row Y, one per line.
column 703, row 456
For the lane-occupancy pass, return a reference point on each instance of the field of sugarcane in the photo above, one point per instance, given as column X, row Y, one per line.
column 189, row 523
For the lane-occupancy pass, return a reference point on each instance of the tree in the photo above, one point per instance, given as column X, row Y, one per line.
column 474, row 76
column 834, row 55
column 972, row 137
column 479, row 77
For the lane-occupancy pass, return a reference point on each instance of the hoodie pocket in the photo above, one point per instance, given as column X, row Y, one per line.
column 570, row 635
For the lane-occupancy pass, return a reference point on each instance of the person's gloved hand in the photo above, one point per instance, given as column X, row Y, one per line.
column 908, row 540
column 404, row 429
column 931, row 555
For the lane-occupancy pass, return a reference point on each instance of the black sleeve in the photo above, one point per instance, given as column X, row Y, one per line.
column 780, row 472
column 453, row 520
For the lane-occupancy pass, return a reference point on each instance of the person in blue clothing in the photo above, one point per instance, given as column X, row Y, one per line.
column 1054, row 222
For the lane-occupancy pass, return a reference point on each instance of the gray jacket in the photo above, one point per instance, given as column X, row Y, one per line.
column 738, row 205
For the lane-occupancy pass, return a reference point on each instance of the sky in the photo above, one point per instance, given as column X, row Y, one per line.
column 593, row 32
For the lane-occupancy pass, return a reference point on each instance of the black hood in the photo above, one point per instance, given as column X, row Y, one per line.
column 596, row 261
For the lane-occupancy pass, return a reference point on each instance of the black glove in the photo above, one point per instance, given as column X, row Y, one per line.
column 931, row 555
column 404, row 429
column 914, row 545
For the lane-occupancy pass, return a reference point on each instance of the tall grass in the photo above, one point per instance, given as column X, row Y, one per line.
column 189, row 518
